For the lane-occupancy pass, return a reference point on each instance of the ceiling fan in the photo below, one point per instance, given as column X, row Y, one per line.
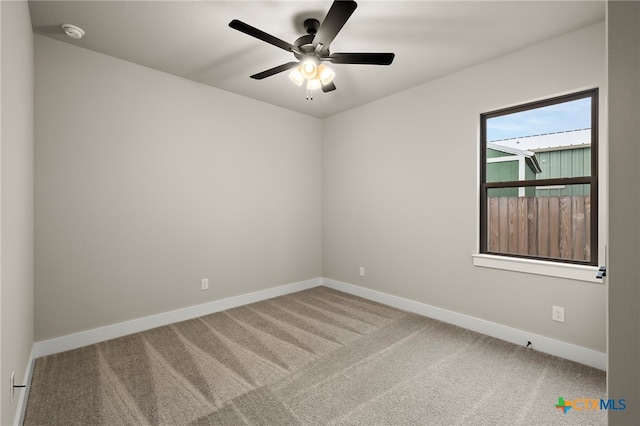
column 312, row 49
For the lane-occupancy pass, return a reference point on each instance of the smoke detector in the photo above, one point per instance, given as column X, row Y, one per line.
column 73, row 31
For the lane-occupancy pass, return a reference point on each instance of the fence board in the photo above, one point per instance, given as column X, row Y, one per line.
column 554, row 226
column 565, row 227
column 523, row 240
column 543, row 226
column 494, row 225
column 504, row 225
column 513, row 225
column 532, row 226
column 577, row 227
column 548, row 226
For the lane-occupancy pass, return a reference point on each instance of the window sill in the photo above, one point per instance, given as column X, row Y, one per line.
column 538, row 267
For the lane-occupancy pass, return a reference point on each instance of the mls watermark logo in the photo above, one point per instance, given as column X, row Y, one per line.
column 589, row 404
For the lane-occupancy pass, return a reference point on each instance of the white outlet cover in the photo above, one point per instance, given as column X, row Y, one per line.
column 557, row 313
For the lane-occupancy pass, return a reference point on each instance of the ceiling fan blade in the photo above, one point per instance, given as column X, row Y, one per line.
column 328, row 87
column 275, row 70
column 261, row 35
column 337, row 16
column 361, row 58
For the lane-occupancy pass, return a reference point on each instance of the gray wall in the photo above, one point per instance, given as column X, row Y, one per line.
column 623, row 372
column 16, row 199
column 400, row 192
column 146, row 183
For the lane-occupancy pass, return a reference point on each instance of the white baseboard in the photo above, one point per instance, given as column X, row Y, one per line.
column 89, row 337
column 564, row 350
column 24, row 393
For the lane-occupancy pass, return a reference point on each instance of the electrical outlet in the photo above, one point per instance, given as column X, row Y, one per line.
column 205, row 284
column 12, row 382
column 557, row 313
column 362, row 271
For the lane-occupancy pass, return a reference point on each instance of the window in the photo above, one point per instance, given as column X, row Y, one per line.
column 539, row 180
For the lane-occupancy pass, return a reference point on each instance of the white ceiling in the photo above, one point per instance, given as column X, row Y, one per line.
column 192, row 39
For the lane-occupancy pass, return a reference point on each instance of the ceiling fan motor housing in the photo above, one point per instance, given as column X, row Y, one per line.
column 305, row 47
column 311, row 25
column 305, row 43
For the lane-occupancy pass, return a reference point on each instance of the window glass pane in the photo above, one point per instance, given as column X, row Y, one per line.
column 547, row 142
column 546, row 225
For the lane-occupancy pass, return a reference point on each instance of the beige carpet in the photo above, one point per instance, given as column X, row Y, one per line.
column 315, row 357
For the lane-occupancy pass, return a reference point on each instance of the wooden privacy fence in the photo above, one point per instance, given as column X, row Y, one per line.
column 556, row 226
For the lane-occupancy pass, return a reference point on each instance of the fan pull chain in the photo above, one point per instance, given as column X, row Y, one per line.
column 309, row 94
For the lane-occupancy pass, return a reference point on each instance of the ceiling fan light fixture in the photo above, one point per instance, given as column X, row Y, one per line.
column 325, row 74
column 309, row 68
column 314, row 84
column 296, row 76
column 316, row 75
